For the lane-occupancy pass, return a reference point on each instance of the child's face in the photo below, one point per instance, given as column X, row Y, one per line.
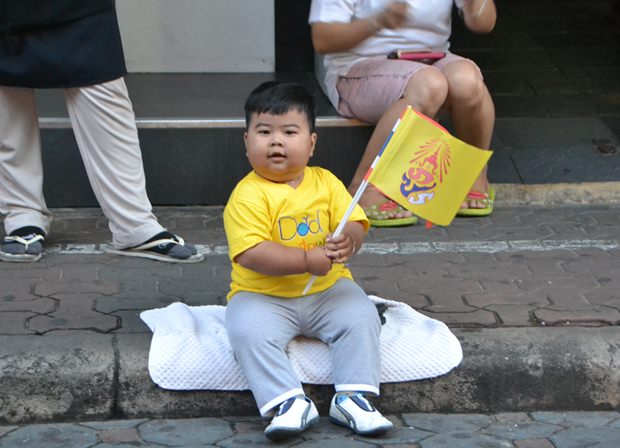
column 279, row 146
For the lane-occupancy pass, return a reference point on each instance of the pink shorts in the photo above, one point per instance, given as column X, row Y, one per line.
column 373, row 85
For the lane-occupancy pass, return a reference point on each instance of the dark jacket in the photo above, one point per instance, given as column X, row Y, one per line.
column 59, row 43
column 29, row 15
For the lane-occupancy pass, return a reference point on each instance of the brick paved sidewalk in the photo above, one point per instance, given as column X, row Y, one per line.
column 530, row 292
column 523, row 266
column 515, row 430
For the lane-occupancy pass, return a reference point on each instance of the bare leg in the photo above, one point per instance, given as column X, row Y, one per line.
column 472, row 113
column 426, row 92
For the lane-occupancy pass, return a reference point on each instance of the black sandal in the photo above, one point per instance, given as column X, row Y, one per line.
column 24, row 245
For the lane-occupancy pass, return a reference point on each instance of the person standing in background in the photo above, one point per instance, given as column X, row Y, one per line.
column 74, row 45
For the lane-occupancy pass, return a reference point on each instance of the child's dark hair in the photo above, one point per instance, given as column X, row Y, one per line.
column 277, row 98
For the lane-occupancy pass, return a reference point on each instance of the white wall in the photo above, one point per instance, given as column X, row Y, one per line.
column 198, row 35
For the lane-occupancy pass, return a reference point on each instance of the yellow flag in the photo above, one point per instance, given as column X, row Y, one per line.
column 425, row 169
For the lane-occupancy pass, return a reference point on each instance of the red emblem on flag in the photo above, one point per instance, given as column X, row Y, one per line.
column 427, row 169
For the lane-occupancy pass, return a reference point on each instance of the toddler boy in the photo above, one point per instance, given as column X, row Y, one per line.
column 278, row 221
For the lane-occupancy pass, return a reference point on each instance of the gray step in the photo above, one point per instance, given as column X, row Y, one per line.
column 191, row 128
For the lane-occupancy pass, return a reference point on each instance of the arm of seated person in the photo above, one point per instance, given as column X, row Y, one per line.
column 271, row 258
column 480, row 15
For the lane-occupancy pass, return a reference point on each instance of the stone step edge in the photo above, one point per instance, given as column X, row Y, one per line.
column 53, row 378
column 201, row 123
column 556, row 194
column 514, row 195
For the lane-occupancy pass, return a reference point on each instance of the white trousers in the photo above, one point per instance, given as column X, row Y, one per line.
column 260, row 327
column 105, row 130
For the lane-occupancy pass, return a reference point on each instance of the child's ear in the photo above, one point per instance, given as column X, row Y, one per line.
column 313, row 138
column 245, row 142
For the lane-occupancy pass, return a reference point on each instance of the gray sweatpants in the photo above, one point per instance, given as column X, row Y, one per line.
column 104, row 126
column 260, row 327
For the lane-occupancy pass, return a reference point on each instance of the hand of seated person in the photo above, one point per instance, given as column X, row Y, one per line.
column 393, row 15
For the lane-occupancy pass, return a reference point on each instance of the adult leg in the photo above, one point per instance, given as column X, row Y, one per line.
column 426, row 92
column 104, row 126
column 21, row 177
column 105, row 130
column 21, row 169
column 472, row 113
column 259, row 328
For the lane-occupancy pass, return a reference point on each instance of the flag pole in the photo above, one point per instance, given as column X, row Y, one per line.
column 344, row 220
column 359, row 193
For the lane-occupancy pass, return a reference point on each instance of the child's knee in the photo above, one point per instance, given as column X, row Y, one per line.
column 364, row 317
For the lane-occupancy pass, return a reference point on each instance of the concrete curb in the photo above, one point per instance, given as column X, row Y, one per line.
column 586, row 193
column 64, row 376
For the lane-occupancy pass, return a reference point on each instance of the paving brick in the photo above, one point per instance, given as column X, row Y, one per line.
column 464, row 440
column 520, row 431
column 83, row 286
column 84, row 224
column 326, row 430
column 548, row 267
column 591, row 262
column 481, row 318
column 438, row 423
column 577, row 437
column 386, row 288
column 180, row 432
column 577, row 418
column 444, row 292
column 131, row 322
column 245, row 427
column 14, row 291
column 15, row 322
column 505, row 286
column 127, row 435
column 11, row 273
column 533, row 443
column 568, row 300
column 6, row 429
column 583, row 317
column 517, row 297
column 346, row 443
column 39, row 306
column 125, row 269
column 569, row 282
column 128, row 301
column 607, row 293
column 206, row 295
column 252, row 439
column 51, row 436
column 110, row 425
column 187, row 223
column 513, row 315
column 364, row 260
column 75, row 311
column 512, row 417
column 490, row 270
column 404, row 436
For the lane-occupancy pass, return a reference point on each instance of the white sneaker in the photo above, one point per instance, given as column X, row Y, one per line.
column 294, row 416
column 356, row 413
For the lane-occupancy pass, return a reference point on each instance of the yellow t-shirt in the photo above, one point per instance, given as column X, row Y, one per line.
column 260, row 210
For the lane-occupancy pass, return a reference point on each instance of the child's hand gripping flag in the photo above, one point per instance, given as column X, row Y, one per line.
column 425, row 169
